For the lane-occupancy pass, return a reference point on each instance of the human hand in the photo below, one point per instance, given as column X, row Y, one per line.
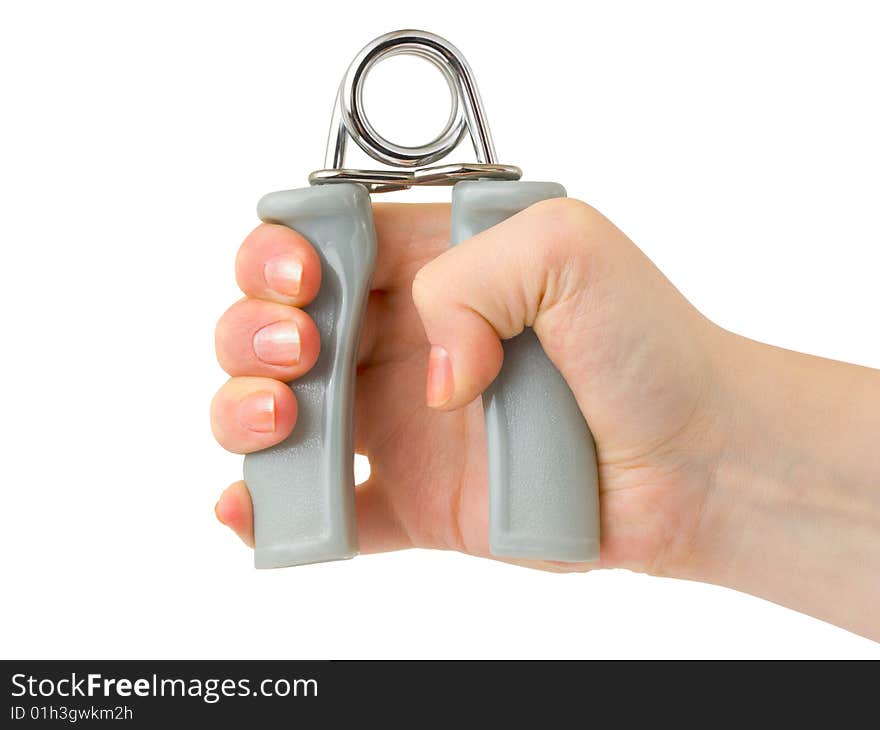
column 720, row 459
column 634, row 352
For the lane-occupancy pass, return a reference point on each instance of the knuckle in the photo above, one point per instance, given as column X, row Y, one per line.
column 571, row 219
column 576, row 228
column 567, row 254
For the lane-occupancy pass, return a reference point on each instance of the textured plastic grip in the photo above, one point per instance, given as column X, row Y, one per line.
column 303, row 488
column 543, row 484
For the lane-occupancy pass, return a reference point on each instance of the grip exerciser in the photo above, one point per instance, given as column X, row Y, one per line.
column 543, row 485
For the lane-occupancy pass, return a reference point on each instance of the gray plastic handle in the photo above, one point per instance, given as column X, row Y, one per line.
column 543, row 483
column 303, row 488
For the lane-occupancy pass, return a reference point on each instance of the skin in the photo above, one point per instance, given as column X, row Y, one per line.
column 720, row 459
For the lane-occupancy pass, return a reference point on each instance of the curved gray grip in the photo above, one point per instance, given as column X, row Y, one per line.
column 303, row 488
column 543, row 484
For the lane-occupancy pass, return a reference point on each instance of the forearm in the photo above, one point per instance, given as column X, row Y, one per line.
column 793, row 508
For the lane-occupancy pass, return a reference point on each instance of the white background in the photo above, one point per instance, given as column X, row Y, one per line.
column 737, row 144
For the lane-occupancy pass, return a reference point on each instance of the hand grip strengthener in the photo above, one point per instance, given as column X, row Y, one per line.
column 543, row 484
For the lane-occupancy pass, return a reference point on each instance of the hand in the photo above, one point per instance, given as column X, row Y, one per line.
column 720, row 459
column 632, row 349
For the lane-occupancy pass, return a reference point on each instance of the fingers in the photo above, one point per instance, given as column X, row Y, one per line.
column 378, row 528
column 277, row 269
column 249, row 414
column 495, row 284
column 235, row 510
column 266, row 338
column 261, row 338
column 277, row 264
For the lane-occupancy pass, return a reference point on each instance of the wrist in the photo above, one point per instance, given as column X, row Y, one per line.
column 792, row 494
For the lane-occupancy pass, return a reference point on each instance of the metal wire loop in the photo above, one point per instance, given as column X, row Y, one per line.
column 466, row 115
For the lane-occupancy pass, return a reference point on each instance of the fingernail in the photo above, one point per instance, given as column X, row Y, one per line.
column 257, row 412
column 283, row 274
column 440, row 386
column 278, row 343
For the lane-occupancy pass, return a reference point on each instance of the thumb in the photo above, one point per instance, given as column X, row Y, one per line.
column 495, row 284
